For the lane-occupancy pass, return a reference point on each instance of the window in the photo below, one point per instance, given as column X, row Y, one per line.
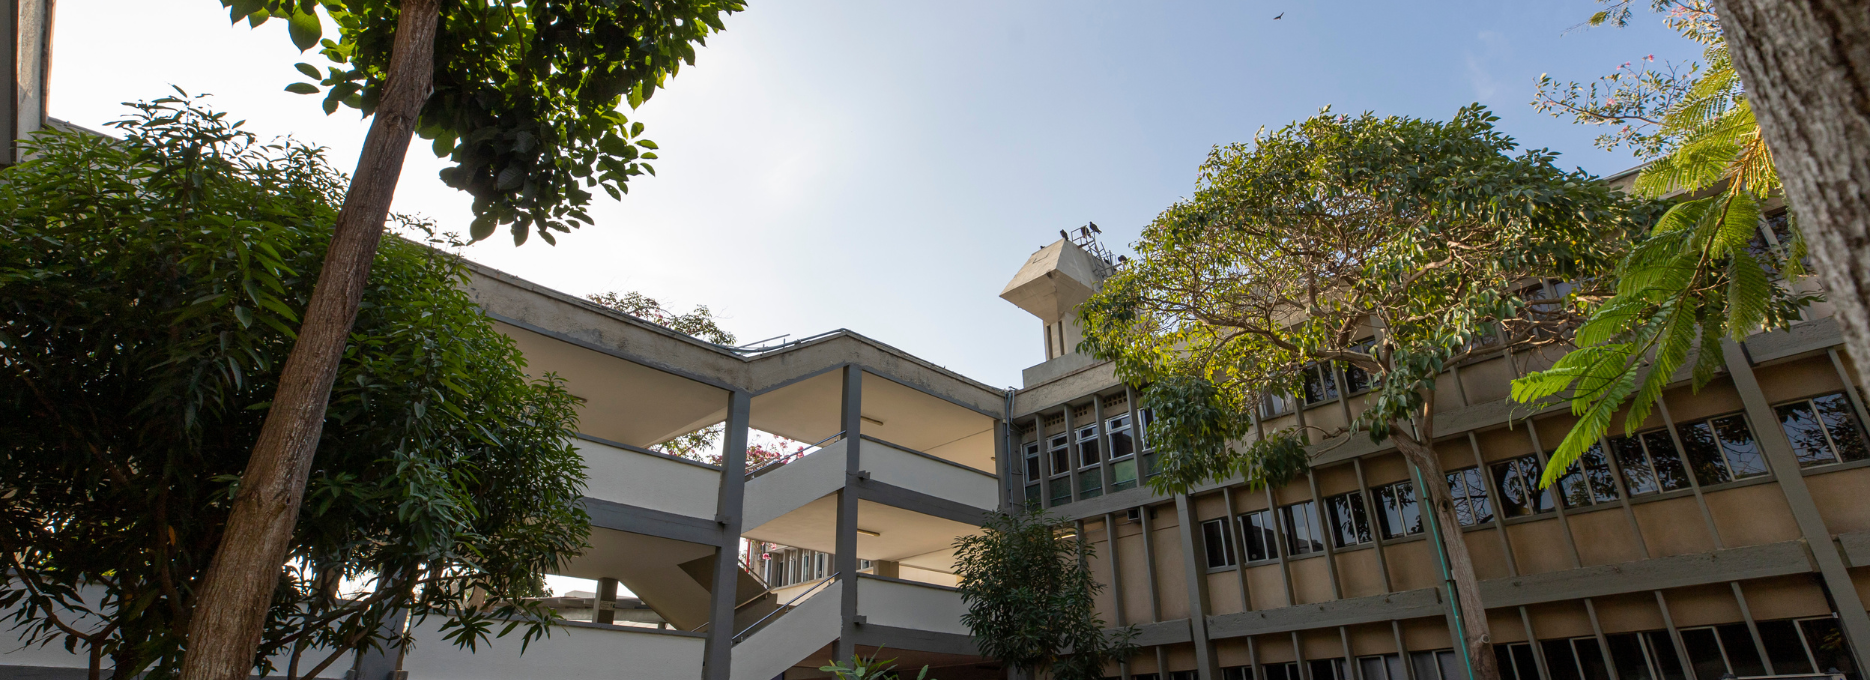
column 1722, row 450
column 1350, row 523
column 1061, row 491
column 1302, row 534
column 1320, row 383
column 1397, row 511
column 1468, row 490
column 1329, row 669
column 1281, row 671
column 1382, row 667
column 1183, row 675
column 1357, row 380
column 1650, row 462
column 1518, row 483
column 1088, row 452
column 1217, row 540
column 1588, row 481
column 1122, row 453
column 1716, row 651
column 1060, row 448
column 1823, row 430
column 1236, row 673
column 1032, row 461
column 1276, row 405
column 1438, row 665
column 1090, row 484
column 1516, row 661
column 1261, row 538
column 1145, row 418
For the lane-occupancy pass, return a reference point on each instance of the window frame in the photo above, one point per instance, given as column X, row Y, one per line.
column 1314, row 526
column 1465, row 497
column 1383, row 509
column 1837, row 452
column 1517, row 466
column 1261, row 521
column 1358, row 515
column 1220, row 529
column 1726, row 458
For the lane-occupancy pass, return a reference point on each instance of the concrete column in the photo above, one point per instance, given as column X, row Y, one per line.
column 723, row 597
column 850, row 416
column 1778, row 449
column 1195, row 568
column 605, row 609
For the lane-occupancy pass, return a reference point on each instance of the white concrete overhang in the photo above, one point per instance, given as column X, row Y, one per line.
column 1053, row 282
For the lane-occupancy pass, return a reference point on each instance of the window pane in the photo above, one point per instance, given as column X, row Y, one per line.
column 1214, row 537
column 1638, row 477
column 1558, row 660
column 1807, row 434
column 1627, row 653
column 1087, row 447
column 1784, row 647
column 1373, row 668
column 1324, row 669
column 1841, row 421
column 1524, row 665
column 1398, row 512
column 1090, row 484
column 1349, row 523
column 1123, row 474
column 1704, row 654
column 1260, row 535
column 1518, row 497
column 1303, row 536
column 1590, row 659
column 1061, row 454
column 1319, row 385
column 1670, row 475
column 1476, row 490
column 1704, row 455
column 1356, row 379
column 1121, row 444
column 1597, row 472
column 1662, row 649
column 1743, row 453
column 1743, row 658
column 1827, row 644
column 1061, row 491
column 1450, row 665
column 1425, row 666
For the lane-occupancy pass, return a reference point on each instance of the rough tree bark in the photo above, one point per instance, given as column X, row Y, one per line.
column 230, row 609
column 1477, row 635
column 1806, row 66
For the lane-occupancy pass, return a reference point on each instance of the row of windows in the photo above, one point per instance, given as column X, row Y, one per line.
column 1083, row 451
column 1794, row 647
column 1824, row 430
column 792, row 566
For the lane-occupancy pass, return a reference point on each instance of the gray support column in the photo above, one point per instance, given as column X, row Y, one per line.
column 1149, row 563
column 1071, row 454
column 1329, row 539
column 1746, row 614
column 850, row 417
column 1279, row 534
column 1493, row 492
column 1850, row 386
column 1402, row 651
column 1103, row 442
column 727, row 511
column 1195, row 567
column 1045, row 461
column 1237, row 536
column 1162, row 662
column 1350, row 658
column 605, row 609
column 1253, row 659
column 1006, row 451
column 1785, row 466
column 1376, row 532
column 1298, row 653
column 1603, row 646
column 1681, row 452
column 380, row 663
column 1538, row 651
column 1675, row 636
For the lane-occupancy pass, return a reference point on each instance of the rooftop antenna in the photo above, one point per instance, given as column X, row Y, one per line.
column 1101, row 259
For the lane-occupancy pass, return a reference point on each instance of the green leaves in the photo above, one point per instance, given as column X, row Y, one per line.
column 305, row 30
column 302, row 88
column 1032, row 599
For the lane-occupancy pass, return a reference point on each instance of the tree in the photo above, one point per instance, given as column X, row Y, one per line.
column 1030, row 598
column 522, row 96
column 150, row 286
column 1392, row 248
column 699, row 323
column 1704, row 272
column 859, row 668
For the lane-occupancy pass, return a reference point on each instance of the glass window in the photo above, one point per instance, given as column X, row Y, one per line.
column 1662, row 651
column 1061, row 491
column 1382, row 667
column 1785, row 648
column 1302, row 534
column 1144, row 419
column 1516, row 661
column 1397, row 511
column 1089, row 453
column 1032, row 495
column 1650, row 462
column 1626, row 651
column 1588, row 481
column 1320, row 384
column 1468, row 490
column 1559, row 660
column 1328, row 669
column 1518, row 483
column 1276, row 405
column 1671, row 475
column 1217, row 540
column 1235, row 673
column 1123, row 474
column 1350, row 523
column 1121, row 443
column 1357, row 380
column 1281, row 671
column 1090, row 484
column 1260, row 537
column 1823, row 430
column 1059, row 446
column 1439, row 665
column 1032, row 461
column 1825, row 639
column 1722, row 450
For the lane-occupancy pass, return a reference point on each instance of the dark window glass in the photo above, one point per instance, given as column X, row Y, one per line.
column 1823, row 430
column 1704, row 653
column 1060, row 447
column 1743, row 453
column 1235, row 673
column 1281, row 671
column 1183, row 675
column 1559, row 661
column 1638, row 476
column 1518, row 483
column 1032, row 494
column 1215, row 538
column 1373, row 668
column 1123, row 474
column 1516, row 661
column 1260, row 535
column 1397, row 510
column 1061, row 491
column 1667, row 461
column 1785, row 648
column 1144, row 419
column 1826, row 641
column 1627, row 652
column 1841, row 422
column 1121, row 443
column 1704, row 454
column 1588, row 481
column 1350, row 524
column 1302, row 534
column 1662, row 648
column 1743, row 658
column 1357, row 380
column 1088, row 452
column 1590, row 658
column 1320, row 385
column 1276, row 405
column 1450, row 665
column 1090, row 484
column 1032, row 461
column 1328, row 669
column 1469, row 492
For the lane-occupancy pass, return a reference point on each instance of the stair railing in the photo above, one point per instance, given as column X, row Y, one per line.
column 788, row 605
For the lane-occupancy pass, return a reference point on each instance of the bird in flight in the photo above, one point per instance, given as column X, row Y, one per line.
column 1282, row 15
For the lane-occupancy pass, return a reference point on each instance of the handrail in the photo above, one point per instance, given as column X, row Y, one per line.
column 814, row 448
column 930, row 456
column 787, row 605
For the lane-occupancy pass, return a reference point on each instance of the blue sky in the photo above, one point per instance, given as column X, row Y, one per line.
column 886, row 166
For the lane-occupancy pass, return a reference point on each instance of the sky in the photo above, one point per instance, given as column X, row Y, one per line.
column 887, row 166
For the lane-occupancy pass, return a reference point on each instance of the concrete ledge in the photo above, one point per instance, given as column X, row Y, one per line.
column 1055, row 369
column 916, row 501
column 1163, row 633
column 1856, row 547
column 632, row 519
column 892, row 637
column 1404, row 605
column 1806, row 337
column 1733, row 564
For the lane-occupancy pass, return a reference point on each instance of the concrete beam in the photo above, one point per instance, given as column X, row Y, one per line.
column 892, row 637
column 915, row 501
column 1350, row 611
column 617, row 516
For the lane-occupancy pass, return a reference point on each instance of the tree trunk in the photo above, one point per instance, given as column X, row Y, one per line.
column 1806, row 66
column 1478, row 637
column 230, row 609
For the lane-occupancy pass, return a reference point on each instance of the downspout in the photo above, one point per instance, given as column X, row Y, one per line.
column 1012, row 454
column 1447, row 579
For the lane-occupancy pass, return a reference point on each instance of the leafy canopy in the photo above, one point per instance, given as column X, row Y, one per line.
column 1706, row 271
column 151, row 286
column 1392, row 247
column 1030, row 598
column 526, row 92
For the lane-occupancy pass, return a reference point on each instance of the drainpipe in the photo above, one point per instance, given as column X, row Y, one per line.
column 1447, row 578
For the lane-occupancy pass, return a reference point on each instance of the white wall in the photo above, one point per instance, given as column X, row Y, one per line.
column 785, row 641
column 897, row 467
column 648, row 481
column 792, row 485
column 571, row 653
column 906, row 605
